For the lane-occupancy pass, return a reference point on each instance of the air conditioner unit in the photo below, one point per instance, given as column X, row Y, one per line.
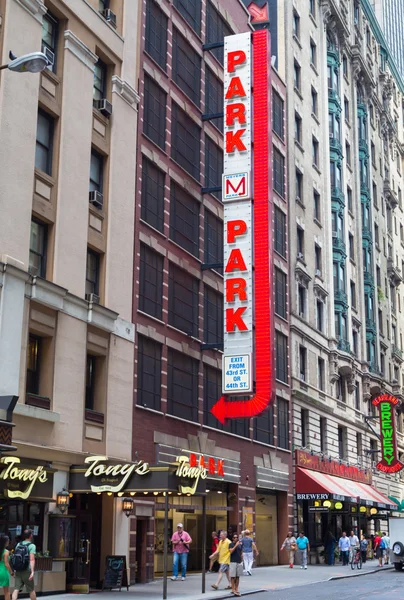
column 96, row 198
column 300, row 255
column 334, row 234
column 301, row 314
column 302, row 377
column 50, row 56
column 298, row 199
column 104, row 107
column 318, row 273
column 109, row 16
column 93, row 298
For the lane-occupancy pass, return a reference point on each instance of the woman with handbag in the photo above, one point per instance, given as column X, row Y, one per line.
column 290, row 546
column 236, row 564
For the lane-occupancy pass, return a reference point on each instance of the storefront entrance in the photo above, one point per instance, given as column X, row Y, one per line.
column 266, row 517
column 83, row 572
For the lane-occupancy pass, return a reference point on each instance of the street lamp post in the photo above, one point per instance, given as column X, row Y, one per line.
column 34, row 62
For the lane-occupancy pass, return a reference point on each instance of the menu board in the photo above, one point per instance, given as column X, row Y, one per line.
column 116, row 574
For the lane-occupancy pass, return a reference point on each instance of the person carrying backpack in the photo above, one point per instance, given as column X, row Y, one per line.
column 23, row 565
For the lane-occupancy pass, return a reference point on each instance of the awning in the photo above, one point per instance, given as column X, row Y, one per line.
column 312, row 482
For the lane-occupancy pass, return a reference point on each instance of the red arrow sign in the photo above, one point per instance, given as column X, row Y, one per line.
column 258, row 14
column 227, row 409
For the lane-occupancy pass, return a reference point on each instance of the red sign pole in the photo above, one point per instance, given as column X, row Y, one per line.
column 224, row 409
column 389, row 462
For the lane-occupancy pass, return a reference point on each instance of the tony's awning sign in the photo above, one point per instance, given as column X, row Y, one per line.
column 389, row 462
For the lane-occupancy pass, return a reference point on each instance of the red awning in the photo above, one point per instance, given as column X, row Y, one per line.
column 313, row 482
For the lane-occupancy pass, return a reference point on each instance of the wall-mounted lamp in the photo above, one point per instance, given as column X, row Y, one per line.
column 63, row 501
column 128, row 506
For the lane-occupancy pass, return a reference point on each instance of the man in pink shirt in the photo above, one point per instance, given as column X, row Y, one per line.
column 180, row 541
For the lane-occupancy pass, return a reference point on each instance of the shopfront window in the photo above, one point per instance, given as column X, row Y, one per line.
column 16, row 516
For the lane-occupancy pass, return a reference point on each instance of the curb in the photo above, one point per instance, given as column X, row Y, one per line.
column 389, row 568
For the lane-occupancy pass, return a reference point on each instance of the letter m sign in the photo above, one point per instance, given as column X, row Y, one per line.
column 236, row 187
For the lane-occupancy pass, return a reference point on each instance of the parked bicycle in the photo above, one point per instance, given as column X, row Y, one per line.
column 355, row 559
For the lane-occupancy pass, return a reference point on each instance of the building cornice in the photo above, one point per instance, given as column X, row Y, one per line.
column 126, row 91
column 36, row 8
column 80, row 50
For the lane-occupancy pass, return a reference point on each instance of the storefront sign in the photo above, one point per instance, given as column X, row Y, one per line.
column 112, row 478
column 212, row 465
column 217, row 468
column 323, row 465
column 193, row 472
column 246, row 299
column 25, row 478
column 312, row 496
column 389, row 462
column 321, row 509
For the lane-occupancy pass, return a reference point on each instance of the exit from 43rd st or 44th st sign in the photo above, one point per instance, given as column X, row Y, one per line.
column 236, row 372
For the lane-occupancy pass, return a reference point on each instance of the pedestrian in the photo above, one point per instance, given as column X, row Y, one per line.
column 249, row 548
column 215, row 543
column 386, row 542
column 329, row 546
column 236, row 564
column 5, row 568
column 344, row 546
column 223, row 554
column 378, row 548
column 364, row 548
column 303, row 545
column 181, row 541
column 354, row 545
column 289, row 544
column 23, row 565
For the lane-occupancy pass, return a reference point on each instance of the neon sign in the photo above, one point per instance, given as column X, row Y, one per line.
column 389, row 462
column 12, row 472
column 112, row 478
column 246, row 300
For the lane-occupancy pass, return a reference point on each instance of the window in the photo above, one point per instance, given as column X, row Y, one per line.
column 317, row 258
column 186, row 67
column 355, row 342
column 300, row 242
column 152, row 210
column 182, row 388
column 213, row 166
column 313, row 53
column 96, row 171
column 321, row 378
column 191, row 11
column 184, row 219
column 280, row 231
column 301, row 297
column 349, row 199
column 345, row 66
column 280, row 293
column 346, row 109
column 342, row 439
column 149, row 373
column 353, row 294
column 277, row 114
column 100, row 81
column 50, row 37
column 320, row 315
column 154, row 121
column 283, row 423
column 315, row 152
column 323, row 434
column 92, row 272
column 44, row 142
column 374, row 194
column 373, row 153
column 296, row 24
column 183, row 301
column 213, row 239
column 264, row 427
column 314, row 102
column 185, row 141
column 37, row 248
column 281, row 357
column 348, row 153
column 91, row 379
column 317, row 206
column 302, row 363
column 212, row 389
column 279, row 172
column 216, row 30
column 378, row 276
column 376, row 234
column 156, row 34
column 151, row 282
column 380, row 319
column 299, row 186
column 213, row 97
column 298, row 129
column 312, row 4
column 213, row 317
column 304, row 423
column 33, row 364
column 351, row 247
column 297, row 76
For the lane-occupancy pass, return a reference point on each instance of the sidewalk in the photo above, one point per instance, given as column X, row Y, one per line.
column 262, row 579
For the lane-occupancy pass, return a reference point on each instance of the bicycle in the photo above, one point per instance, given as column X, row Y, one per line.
column 355, row 558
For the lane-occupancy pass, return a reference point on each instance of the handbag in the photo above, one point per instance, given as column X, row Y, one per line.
column 293, row 546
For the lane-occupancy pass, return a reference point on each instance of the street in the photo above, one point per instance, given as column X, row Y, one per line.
column 387, row 584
